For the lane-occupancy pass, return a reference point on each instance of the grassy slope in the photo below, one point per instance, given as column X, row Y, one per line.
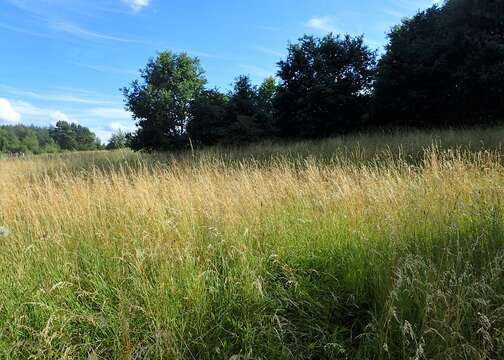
column 360, row 247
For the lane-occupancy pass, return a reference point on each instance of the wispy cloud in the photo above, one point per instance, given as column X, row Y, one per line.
column 324, row 23
column 395, row 13
column 110, row 113
column 108, row 69
column 270, row 51
column 115, row 126
column 76, row 30
column 415, row 5
column 257, row 71
column 52, row 96
column 17, row 29
column 137, row 5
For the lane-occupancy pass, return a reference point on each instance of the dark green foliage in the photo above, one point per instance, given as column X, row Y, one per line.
column 20, row 139
column 161, row 100
column 72, row 137
column 241, row 117
column 245, row 120
column 206, row 125
column 444, row 67
column 325, row 86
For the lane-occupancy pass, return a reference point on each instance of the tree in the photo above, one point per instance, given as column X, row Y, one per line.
column 118, row 140
column 241, row 117
column 71, row 136
column 444, row 67
column 244, row 120
column 266, row 94
column 325, row 86
column 26, row 139
column 63, row 135
column 206, row 126
column 160, row 101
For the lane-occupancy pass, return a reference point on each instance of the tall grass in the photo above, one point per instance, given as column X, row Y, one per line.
column 369, row 247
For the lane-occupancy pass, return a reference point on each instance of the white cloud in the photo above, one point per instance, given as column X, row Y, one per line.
column 115, row 126
column 322, row 24
column 137, row 5
column 41, row 116
column 105, row 132
column 60, row 116
column 110, row 113
column 7, row 113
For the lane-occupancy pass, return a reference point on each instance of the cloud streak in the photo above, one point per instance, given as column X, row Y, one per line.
column 270, row 51
column 257, row 71
column 73, row 29
column 53, row 97
column 110, row 113
column 323, row 24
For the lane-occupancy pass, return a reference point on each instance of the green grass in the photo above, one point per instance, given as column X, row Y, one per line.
column 362, row 247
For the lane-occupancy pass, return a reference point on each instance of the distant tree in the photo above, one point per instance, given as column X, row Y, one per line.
column 26, row 139
column 206, row 126
column 86, row 140
column 64, row 135
column 71, row 136
column 118, row 140
column 325, row 86
column 9, row 142
column 161, row 100
column 46, row 143
column 444, row 67
column 266, row 94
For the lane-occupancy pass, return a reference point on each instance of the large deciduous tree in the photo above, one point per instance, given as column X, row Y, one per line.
column 444, row 67
column 325, row 86
column 160, row 101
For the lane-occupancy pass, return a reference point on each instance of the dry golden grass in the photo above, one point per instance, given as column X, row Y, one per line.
column 280, row 259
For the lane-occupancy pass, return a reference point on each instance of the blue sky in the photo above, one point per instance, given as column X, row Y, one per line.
column 66, row 59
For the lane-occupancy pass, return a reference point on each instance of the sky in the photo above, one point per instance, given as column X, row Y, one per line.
column 67, row 59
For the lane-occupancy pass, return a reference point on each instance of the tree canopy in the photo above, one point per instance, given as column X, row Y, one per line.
column 325, row 86
column 442, row 67
column 17, row 139
column 73, row 137
column 160, row 101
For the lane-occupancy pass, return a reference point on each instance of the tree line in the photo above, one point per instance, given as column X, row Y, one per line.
column 442, row 67
column 64, row 136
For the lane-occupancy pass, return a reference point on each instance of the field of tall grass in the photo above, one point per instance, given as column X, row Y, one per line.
column 363, row 247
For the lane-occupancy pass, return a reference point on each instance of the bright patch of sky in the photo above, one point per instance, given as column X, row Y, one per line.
column 67, row 59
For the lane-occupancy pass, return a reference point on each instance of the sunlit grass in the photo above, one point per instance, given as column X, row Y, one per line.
column 376, row 246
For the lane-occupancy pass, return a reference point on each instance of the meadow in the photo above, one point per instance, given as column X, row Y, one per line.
column 372, row 246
